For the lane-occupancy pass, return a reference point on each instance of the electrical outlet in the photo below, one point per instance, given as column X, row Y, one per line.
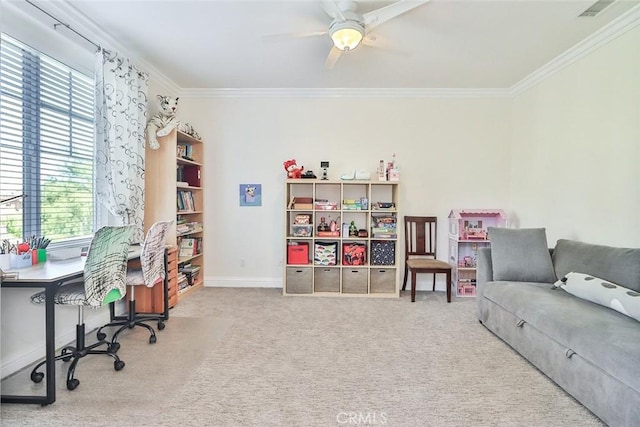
column 241, row 262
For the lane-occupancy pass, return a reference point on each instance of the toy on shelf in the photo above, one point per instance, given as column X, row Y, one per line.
column 293, row 171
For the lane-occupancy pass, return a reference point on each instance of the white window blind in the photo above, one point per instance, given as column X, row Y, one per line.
column 46, row 146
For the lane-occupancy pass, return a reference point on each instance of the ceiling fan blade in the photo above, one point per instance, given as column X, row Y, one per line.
column 380, row 16
column 289, row 36
column 332, row 58
column 333, row 10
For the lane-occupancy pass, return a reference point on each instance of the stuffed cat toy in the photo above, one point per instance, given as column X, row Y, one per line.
column 163, row 122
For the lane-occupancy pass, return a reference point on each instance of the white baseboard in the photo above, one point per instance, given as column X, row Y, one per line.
column 424, row 283
column 243, row 282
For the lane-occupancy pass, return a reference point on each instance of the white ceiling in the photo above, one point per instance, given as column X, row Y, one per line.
column 442, row 44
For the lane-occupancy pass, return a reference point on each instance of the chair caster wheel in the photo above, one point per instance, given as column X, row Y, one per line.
column 118, row 365
column 152, row 339
column 72, row 384
column 37, row 377
column 161, row 326
column 66, row 359
column 114, row 347
column 101, row 336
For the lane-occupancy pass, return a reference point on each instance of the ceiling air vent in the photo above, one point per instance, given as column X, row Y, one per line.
column 596, row 8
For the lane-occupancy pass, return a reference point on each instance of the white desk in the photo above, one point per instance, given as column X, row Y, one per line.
column 50, row 276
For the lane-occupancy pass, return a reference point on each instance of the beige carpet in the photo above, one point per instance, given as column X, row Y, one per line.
column 240, row 357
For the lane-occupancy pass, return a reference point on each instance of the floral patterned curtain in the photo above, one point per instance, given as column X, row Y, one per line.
column 121, row 115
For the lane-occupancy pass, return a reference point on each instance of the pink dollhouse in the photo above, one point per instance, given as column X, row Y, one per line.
column 472, row 224
column 468, row 233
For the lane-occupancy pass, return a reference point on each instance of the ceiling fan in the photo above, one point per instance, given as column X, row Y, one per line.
column 349, row 29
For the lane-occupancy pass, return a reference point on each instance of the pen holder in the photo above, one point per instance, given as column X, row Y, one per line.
column 42, row 255
column 21, row 261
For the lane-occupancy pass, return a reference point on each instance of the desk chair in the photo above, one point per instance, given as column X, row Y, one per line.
column 420, row 241
column 105, row 273
column 152, row 261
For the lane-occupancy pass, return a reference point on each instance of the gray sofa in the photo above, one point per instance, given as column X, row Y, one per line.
column 591, row 351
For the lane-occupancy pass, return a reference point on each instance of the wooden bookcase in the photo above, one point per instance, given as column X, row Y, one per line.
column 168, row 169
column 336, row 263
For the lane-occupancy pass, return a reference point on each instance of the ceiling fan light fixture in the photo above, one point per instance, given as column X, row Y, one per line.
column 346, row 35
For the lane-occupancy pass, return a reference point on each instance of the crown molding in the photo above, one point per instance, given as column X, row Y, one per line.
column 614, row 29
column 342, row 93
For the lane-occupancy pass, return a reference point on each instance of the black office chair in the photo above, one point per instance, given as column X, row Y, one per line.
column 105, row 272
column 151, row 273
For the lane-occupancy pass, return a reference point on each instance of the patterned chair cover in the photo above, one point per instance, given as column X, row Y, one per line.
column 151, row 257
column 105, row 269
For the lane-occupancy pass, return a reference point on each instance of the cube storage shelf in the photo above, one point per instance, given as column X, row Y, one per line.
column 467, row 234
column 333, row 262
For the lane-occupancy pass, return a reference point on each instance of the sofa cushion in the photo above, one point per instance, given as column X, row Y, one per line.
column 617, row 265
column 521, row 255
column 603, row 292
column 605, row 338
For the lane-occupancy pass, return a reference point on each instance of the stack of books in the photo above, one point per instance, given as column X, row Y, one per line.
column 352, row 204
column 188, row 228
column 384, row 226
column 325, row 205
column 183, row 283
column 191, row 272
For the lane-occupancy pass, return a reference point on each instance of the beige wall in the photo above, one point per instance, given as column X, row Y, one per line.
column 453, row 153
column 562, row 155
column 575, row 164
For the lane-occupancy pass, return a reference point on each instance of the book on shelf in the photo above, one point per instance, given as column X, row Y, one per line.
column 184, row 151
column 185, row 201
column 190, row 272
column 301, row 203
column 188, row 227
column 187, row 248
column 188, row 268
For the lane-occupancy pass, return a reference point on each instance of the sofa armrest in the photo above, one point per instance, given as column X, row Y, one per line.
column 484, row 271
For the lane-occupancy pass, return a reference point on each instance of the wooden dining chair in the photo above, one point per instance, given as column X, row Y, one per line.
column 420, row 242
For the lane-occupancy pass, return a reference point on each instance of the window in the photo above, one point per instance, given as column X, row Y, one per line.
column 46, row 146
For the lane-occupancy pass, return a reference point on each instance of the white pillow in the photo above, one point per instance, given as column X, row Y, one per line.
column 623, row 300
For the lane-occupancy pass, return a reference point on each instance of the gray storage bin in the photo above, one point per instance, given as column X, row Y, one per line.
column 326, row 279
column 299, row 280
column 354, row 280
column 383, row 280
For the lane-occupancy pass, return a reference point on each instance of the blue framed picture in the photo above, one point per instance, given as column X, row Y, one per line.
column 250, row 194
